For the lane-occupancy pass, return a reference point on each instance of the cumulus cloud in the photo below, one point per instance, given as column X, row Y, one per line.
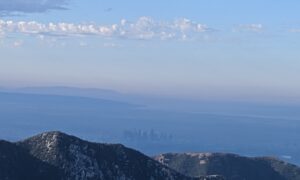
column 144, row 28
column 30, row 6
column 250, row 28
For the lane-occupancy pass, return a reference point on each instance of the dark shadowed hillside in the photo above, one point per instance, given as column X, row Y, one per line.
column 16, row 164
column 58, row 156
column 55, row 156
column 230, row 166
column 84, row 160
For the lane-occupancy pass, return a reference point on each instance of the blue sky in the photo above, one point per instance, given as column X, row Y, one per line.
column 196, row 48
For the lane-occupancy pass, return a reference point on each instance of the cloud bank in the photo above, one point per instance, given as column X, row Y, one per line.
column 144, row 28
column 30, row 6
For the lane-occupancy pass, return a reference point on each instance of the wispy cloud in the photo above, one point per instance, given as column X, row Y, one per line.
column 30, row 6
column 17, row 43
column 257, row 28
column 295, row 30
column 144, row 28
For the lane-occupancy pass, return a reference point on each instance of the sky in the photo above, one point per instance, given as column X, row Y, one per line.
column 194, row 48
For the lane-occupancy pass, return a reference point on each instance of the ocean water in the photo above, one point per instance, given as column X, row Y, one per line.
column 245, row 129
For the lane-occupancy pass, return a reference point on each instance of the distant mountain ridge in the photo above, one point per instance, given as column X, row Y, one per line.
column 58, row 156
column 67, row 91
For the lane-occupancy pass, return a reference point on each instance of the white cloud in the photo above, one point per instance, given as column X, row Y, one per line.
column 30, row 6
column 144, row 28
column 257, row 28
